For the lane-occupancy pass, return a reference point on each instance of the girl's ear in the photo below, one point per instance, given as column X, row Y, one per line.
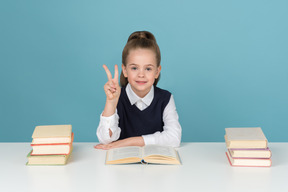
column 158, row 72
column 124, row 71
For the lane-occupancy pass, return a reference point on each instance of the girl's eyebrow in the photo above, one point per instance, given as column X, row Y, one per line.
column 150, row 65
column 131, row 64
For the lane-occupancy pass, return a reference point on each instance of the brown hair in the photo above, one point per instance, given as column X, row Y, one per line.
column 140, row 39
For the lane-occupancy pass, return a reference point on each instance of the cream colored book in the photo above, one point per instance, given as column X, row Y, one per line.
column 252, row 137
column 48, row 159
column 147, row 154
column 48, row 134
column 250, row 153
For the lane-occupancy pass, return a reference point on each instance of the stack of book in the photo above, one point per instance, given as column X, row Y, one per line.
column 51, row 145
column 247, row 147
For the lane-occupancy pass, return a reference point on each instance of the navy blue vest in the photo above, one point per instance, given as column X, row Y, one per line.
column 134, row 122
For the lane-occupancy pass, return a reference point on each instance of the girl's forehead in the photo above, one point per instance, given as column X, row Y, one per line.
column 141, row 51
column 141, row 56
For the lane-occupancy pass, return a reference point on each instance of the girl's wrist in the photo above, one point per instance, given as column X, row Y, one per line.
column 110, row 108
column 136, row 141
column 111, row 104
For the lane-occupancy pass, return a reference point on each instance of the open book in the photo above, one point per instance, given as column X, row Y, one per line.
column 147, row 154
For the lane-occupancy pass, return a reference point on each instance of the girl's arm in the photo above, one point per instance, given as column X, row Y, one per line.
column 132, row 141
column 106, row 128
column 172, row 131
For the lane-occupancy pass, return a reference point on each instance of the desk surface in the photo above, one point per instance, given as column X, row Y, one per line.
column 204, row 168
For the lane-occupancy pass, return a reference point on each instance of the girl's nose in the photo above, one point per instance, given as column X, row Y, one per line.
column 141, row 73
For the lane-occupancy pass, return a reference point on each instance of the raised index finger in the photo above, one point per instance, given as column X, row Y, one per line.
column 107, row 72
column 116, row 73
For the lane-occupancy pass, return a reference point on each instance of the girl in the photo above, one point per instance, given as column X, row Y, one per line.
column 139, row 113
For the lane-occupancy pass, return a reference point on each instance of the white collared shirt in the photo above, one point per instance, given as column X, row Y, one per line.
column 171, row 134
column 141, row 103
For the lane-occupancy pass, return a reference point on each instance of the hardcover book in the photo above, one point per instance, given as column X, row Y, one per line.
column 248, row 162
column 47, row 159
column 252, row 138
column 147, row 154
column 251, row 153
column 47, row 134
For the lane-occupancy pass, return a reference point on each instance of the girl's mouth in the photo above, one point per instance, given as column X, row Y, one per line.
column 141, row 82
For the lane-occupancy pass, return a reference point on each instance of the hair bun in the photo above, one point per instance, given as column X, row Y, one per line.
column 142, row 35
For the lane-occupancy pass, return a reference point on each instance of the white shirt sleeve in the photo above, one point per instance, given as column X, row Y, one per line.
column 105, row 124
column 172, row 131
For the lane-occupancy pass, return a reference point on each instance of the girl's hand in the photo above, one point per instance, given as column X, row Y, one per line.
column 112, row 88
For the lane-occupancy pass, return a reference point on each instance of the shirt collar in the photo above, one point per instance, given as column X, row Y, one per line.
column 133, row 97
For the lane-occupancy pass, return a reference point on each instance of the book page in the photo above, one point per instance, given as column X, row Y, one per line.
column 159, row 150
column 124, row 152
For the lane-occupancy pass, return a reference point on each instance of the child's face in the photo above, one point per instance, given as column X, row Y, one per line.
column 141, row 70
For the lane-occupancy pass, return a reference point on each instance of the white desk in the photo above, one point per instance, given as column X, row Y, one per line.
column 204, row 168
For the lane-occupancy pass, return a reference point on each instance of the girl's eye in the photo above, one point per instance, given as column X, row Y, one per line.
column 148, row 69
column 134, row 68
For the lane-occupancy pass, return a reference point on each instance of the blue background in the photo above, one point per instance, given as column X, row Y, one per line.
column 226, row 63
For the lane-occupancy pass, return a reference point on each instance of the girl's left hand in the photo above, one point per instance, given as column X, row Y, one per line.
column 132, row 141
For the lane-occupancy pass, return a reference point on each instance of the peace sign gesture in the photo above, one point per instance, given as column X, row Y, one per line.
column 112, row 88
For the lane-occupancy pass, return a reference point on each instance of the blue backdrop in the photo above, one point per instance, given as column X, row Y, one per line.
column 226, row 63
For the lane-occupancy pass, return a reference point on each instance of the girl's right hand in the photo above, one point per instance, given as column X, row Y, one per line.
column 112, row 88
